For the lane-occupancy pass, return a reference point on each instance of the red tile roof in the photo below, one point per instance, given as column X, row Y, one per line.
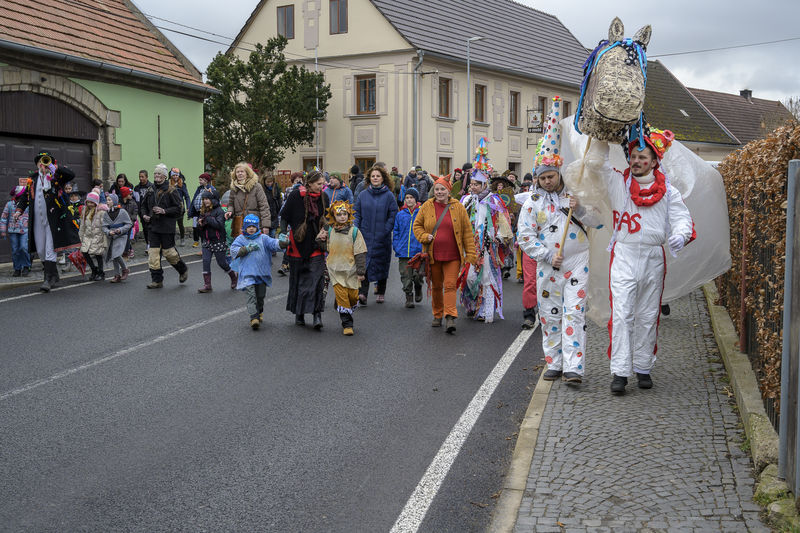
column 101, row 30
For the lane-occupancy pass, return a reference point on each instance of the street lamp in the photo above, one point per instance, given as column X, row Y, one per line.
column 469, row 90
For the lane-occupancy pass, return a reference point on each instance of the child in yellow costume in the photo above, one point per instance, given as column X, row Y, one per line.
column 346, row 261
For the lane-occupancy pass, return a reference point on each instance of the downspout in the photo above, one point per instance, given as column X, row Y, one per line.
column 415, row 126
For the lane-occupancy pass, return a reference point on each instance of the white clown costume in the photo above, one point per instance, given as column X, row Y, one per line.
column 561, row 293
column 648, row 213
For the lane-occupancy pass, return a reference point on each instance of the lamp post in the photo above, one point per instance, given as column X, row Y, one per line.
column 469, row 90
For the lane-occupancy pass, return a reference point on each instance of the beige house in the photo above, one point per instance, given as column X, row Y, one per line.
column 398, row 73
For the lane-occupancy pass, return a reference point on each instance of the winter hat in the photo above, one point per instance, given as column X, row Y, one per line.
column 125, row 192
column 547, row 157
column 17, row 191
column 413, row 192
column 161, row 168
column 444, row 181
column 209, row 194
column 113, row 197
column 418, row 168
column 93, row 197
column 205, row 176
column 355, row 169
column 250, row 220
column 394, row 170
column 175, row 171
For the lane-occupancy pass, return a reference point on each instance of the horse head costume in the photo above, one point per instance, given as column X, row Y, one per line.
column 613, row 88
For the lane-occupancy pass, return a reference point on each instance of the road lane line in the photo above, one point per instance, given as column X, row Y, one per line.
column 65, row 287
column 126, row 351
column 420, row 501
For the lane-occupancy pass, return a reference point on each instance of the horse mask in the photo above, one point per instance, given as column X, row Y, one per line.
column 613, row 88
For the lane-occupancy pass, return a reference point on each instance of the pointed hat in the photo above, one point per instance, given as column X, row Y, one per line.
column 548, row 156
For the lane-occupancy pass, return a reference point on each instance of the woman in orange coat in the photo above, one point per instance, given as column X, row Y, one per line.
column 448, row 247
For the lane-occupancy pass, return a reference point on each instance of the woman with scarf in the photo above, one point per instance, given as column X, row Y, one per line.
column 443, row 228
column 247, row 198
column 304, row 212
column 375, row 212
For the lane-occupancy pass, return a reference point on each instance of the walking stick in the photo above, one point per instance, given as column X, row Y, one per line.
column 560, row 252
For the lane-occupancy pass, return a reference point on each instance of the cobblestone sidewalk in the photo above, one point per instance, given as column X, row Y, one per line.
column 665, row 459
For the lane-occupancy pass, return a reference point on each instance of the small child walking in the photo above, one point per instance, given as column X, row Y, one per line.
column 116, row 225
column 346, row 261
column 211, row 225
column 406, row 246
column 252, row 253
column 93, row 240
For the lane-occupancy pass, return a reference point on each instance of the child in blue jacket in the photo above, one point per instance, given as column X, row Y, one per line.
column 406, row 246
column 252, row 251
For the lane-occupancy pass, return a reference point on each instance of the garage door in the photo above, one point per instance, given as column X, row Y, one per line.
column 16, row 160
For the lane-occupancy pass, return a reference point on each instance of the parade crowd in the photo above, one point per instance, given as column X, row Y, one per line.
column 456, row 237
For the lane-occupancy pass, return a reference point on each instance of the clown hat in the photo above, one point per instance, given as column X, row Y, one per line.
column 658, row 140
column 481, row 161
column 548, row 154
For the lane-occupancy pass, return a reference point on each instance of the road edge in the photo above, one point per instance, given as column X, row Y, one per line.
column 505, row 513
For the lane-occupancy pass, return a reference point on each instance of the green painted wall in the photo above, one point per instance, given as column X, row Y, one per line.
column 181, row 130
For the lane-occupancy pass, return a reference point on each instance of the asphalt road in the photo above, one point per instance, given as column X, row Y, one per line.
column 125, row 409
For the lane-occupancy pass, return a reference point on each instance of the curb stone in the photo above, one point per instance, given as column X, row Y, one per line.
column 762, row 436
column 504, row 517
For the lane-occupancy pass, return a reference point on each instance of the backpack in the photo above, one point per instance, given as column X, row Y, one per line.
column 355, row 233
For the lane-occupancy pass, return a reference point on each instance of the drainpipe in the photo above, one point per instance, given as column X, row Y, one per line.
column 414, row 133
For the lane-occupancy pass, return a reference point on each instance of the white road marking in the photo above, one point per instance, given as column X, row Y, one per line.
column 126, row 351
column 65, row 287
column 417, row 506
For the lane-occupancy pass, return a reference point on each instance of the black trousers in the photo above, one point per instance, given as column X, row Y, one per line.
column 381, row 285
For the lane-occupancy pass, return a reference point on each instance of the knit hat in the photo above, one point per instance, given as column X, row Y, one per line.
column 355, row 169
column 443, row 181
column 113, row 197
column 93, row 197
column 161, row 168
column 209, row 194
column 18, row 191
column 175, row 171
column 547, row 157
column 413, row 192
column 418, row 168
column 394, row 170
column 658, row 140
column 250, row 220
column 124, row 192
column 205, row 176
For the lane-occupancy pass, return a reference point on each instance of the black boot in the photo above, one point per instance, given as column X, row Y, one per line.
column 101, row 275
column 157, row 279
column 551, row 375
column 48, row 276
column 418, row 292
column 347, row 323
column 645, row 381
column 317, row 321
column 409, row 300
column 183, row 270
column 300, row 320
column 618, row 384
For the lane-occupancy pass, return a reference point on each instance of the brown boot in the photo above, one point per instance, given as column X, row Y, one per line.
column 206, row 283
column 125, row 273
column 234, row 278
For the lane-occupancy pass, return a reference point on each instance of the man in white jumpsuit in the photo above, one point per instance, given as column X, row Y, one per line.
column 648, row 213
column 561, row 277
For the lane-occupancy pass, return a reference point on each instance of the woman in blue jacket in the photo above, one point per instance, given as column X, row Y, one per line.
column 406, row 246
column 376, row 209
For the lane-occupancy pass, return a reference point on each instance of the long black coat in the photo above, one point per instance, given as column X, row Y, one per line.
column 65, row 234
column 294, row 213
column 167, row 197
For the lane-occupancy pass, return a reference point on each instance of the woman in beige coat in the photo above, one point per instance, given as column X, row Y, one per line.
column 247, row 197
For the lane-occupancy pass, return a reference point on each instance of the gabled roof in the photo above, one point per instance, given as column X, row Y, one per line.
column 108, row 32
column 669, row 105
column 747, row 118
column 517, row 39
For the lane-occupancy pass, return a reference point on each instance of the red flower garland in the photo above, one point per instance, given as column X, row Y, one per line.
column 647, row 197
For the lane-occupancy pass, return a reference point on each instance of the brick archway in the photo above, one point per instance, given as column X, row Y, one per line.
column 105, row 151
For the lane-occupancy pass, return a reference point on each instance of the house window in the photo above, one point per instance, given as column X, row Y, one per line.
column 444, row 97
column 567, row 109
column 513, row 109
column 338, row 16
column 445, row 163
column 365, row 163
column 365, row 94
column 543, row 107
column 310, row 162
column 480, row 103
column 286, row 21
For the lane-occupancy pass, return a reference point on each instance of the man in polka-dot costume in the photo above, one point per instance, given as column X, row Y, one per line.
column 561, row 278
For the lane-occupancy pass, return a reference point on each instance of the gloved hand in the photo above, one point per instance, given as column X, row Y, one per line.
column 253, row 247
column 676, row 243
column 243, row 251
column 283, row 237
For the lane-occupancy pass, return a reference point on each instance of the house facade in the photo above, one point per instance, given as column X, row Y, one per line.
column 103, row 90
column 398, row 74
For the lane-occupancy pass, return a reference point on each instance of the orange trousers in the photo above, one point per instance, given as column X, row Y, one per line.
column 444, row 276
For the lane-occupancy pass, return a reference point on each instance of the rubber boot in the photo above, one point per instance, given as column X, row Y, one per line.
column 234, row 278
column 206, row 283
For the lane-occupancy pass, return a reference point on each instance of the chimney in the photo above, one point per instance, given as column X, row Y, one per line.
column 747, row 94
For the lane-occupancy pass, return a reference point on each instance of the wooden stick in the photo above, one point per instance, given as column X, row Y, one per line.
column 569, row 215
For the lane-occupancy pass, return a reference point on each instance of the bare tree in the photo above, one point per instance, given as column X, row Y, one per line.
column 793, row 105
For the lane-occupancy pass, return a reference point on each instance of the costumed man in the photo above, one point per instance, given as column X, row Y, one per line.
column 161, row 209
column 526, row 266
column 504, row 188
column 562, row 273
column 50, row 227
column 648, row 213
column 482, row 287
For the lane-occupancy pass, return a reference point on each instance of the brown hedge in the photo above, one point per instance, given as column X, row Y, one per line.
column 760, row 166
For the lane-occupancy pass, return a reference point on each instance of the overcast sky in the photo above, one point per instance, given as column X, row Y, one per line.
column 771, row 71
